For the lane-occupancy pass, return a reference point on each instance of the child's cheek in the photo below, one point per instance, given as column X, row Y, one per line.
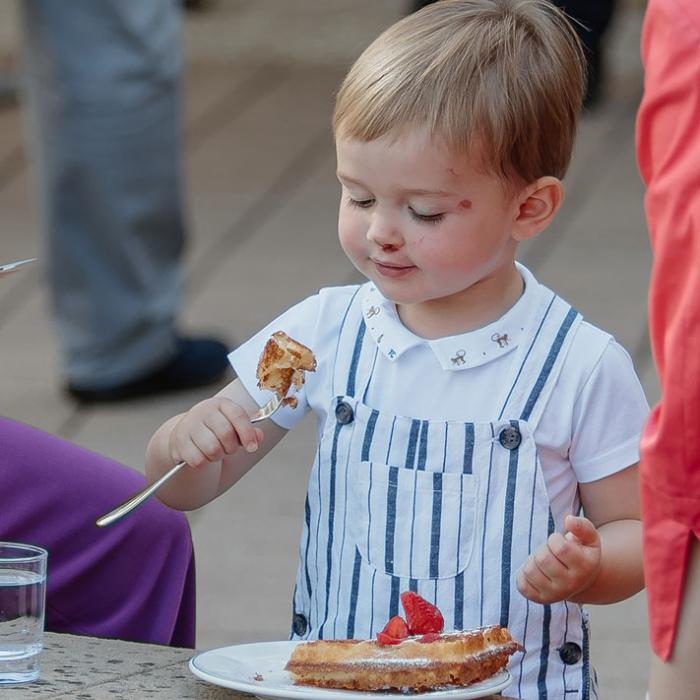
column 350, row 235
column 427, row 249
column 351, row 229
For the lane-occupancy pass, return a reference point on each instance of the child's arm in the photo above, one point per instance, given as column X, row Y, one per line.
column 218, row 441
column 599, row 559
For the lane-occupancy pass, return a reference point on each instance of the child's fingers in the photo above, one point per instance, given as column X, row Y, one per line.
column 561, row 566
column 535, row 575
column 248, row 435
column 226, row 433
column 548, row 558
column 582, row 529
column 526, row 589
column 565, row 549
column 575, row 558
column 545, row 578
column 188, row 451
column 535, row 585
column 208, row 445
column 211, row 430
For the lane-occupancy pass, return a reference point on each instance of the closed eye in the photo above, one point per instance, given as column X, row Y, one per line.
column 428, row 218
column 360, row 203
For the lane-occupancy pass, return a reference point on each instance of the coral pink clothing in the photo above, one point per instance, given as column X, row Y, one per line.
column 668, row 148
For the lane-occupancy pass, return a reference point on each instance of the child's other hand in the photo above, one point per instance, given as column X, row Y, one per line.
column 211, row 430
column 565, row 565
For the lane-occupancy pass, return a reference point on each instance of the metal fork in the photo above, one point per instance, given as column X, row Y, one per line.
column 120, row 511
column 11, row 267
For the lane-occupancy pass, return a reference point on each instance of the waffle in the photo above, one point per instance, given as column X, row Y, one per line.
column 282, row 364
column 453, row 659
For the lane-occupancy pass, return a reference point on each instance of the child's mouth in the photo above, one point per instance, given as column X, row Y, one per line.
column 391, row 270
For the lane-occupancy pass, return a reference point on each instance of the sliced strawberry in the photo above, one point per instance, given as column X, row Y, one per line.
column 385, row 639
column 427, row 638
column 422, row 617
column 396, row 628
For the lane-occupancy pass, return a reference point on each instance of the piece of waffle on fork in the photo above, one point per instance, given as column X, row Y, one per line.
column 282, row 365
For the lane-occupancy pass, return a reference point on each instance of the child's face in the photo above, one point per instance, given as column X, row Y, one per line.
column 423, row 225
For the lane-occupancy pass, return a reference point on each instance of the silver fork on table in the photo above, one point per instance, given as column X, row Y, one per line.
column 120, row 511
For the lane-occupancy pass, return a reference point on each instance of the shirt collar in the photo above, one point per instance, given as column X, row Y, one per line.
column 455, row 352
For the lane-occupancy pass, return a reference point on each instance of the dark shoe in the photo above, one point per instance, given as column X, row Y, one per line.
column 195, row 5
column 197, row 362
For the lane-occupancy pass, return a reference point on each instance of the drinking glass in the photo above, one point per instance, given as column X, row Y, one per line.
column 22, row 603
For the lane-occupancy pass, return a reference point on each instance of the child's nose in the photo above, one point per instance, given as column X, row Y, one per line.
column 384, row 233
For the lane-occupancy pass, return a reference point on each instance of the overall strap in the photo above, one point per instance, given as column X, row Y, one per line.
column 355, row 353
column 540, row 357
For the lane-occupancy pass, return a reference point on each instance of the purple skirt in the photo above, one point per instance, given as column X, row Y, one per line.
column 133, row 580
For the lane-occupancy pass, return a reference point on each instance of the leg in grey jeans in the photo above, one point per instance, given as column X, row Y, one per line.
column 104, row 84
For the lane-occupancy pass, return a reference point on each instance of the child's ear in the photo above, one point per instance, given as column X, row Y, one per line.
column 538, row 204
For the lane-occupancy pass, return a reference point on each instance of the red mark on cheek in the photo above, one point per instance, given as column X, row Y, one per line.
column 465, row 204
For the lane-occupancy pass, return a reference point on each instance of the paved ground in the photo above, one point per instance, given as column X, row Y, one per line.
column 262, row 206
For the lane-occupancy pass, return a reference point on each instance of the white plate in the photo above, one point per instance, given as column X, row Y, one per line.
column 238, row 666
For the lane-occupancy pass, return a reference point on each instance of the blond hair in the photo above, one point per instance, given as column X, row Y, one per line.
column 504, row 77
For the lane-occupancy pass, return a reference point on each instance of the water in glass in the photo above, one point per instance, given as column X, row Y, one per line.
column 22, row 595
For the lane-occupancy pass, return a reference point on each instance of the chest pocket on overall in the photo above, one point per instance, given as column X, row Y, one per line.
column 413, row 523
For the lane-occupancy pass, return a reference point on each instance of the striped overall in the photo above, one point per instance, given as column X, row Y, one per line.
column 447, row 509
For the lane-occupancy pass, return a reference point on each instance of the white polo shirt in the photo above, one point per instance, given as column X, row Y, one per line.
column 589, row 429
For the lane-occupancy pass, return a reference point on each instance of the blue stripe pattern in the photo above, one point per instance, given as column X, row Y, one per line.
column 423, row 446
column 340, row 336
column 331, row 518
column 585, row 671
column 394, row 601
column 369, row 434
column 507, row 545
column 390, row 529
column 371, row 374
column 352, row 374
column 527, row 354
column 369, row 512
column 529, row 540
column 459, row 601
column 467, row 460
column 549, row 363
column 391, row 439
column 318, row 539
column 435, row 525
column 483, row 535
column 410, row 460
column 544, row 652
column 367, row 440
column 307, row 520
column 353, row 594
column 444, row 446
column 346, row 472
column 294, row 609
column 468, row 448
column 566, row 634
column 546, row 637
column 371, row 598
column 412, row 440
